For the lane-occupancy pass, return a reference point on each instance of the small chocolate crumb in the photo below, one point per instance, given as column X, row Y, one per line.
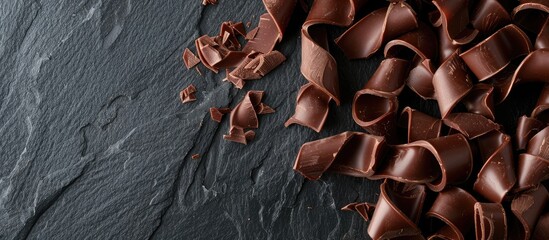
column 190, row 59
column 209, row 2
column 217, row 113
column 195, row 156
column 187, row 94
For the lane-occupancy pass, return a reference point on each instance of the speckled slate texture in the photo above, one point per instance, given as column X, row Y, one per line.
column 96, row 145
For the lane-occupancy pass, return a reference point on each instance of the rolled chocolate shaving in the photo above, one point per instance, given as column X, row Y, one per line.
column 540, row 111
column 471, row 125
column 490, row 221
column 228, row 34
column 531, row 14
column 455, row 208
column 542, row 40
column 375, row 106
column 238, row 135
column 533, row 166
column 317, row 65
column 364, row 209
column 281, row 13
column 436, row 162
column 187, row 94
column 264, row 109
column 216, row 114
column 452, row 79
column 266, row 37
column 493, row 54
column 397, row 211
column 420, row 79
column 533, row 68
column 446, row 45
column 420, row 126
column 488, row 16
column 497, row 176
column 380, row 26
column 480, row 100
column 542, row 228
column 267, row 62
column 453, row 16
column 422, row 42
column 527, row 127
column 527, row 208
column 190, row 59
column 244, row 115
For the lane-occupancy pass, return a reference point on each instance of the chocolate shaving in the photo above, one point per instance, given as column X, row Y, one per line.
column 527, row 127
column 489, row 15
column 420, row 126
column 490, row 221
column 244, row 116
column 264, row 109
column 531, row 14
column 542, row 228
column 453, row 17
column 455, row 208
column 317, row 65
column 420, row 80
column 435, row 162
column 187, row 94
column 452, row 79
column 527, row 208
column 375, row 106
column 216, row 114
column 209, row 2
column 380, row 25
column 542, row 41
column 397, row 211
column 486, row 58
column 422, row 42
column 471, row 125
column 365, row 210
column 497, row 176
column 251, row 34
column 533, row 166
column 190, row 59
column 480, row 100
column 195, row 156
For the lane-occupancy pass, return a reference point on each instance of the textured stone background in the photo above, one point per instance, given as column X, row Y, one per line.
column 95, row 144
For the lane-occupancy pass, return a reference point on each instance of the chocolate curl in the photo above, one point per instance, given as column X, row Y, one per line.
column 271, row 26
column 488, row 16
column 431, row 161
column 497, row 176
column 375, row 106
column 533, row 166
column 542, row 228
column 527, row 127
column 530, row 15
column 446, row 46
column 540, row 111
column 380, row 25
column 364, row 209
column 480, row 100
column 420, row 126
column 492, row 55
column 452, row 79
column 542, row 40
column 216, row 114
column 422, row 42
column 317, row 65
column 471, row 125
column 455, row 208
column 453, row 16
column 420, row 79
column 190, row 59
column 490, row 221
column 527, row 208
column 397, row 211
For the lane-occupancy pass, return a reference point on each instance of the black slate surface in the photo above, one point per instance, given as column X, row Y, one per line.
column 96, row 145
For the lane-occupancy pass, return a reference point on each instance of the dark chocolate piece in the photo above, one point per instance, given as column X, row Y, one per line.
column 455, row 208
column 422, row 42
column 187, row 94
column 540, row 111
column 480, row 100
column 542, row 228
column 490, row 221
column 375, row 106
column 493, row 54
column 420, row 79
column 264, row 109
column 542, row 41
column 420, row 126
column 244, row 116
column 530, row 15
column 489, row 16
column 471, row 125
column 217, row 113
column 364, row 209
column 533, row 166
column 195, row 156
column 453, row 17
column 527, row 127
column 311, row 108
column 436, row 162
column 251, row 34
column 497, row 176
column 209, row 2
column 533, row 68
column 266, row 37
column 190, row 59
column 527, row 208
column 380, row 26
column 452, row 79
column 397, row 211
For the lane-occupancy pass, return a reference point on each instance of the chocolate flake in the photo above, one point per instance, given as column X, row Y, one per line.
column 187, row 94
column 217, row 113
column 195, row 156
column 190, row 59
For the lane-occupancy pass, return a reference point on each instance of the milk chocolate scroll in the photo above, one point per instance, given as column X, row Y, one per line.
column 317, row 65
column 379, row 26
column 435, row 162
